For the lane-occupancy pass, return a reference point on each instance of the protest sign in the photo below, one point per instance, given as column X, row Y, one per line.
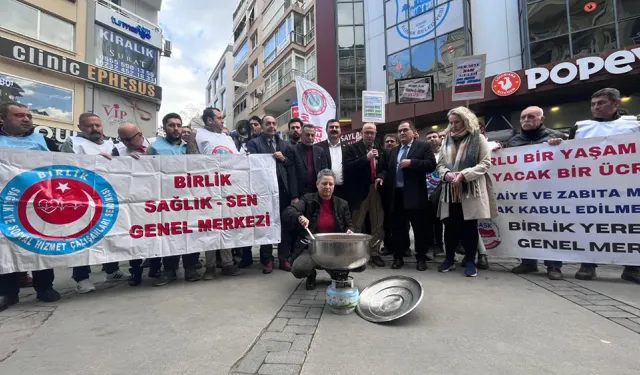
column 373, row 103
column 468, row 77
column 63, row 210
column 578, row 202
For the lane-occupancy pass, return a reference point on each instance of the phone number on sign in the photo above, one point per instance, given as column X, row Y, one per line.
column 127, row 69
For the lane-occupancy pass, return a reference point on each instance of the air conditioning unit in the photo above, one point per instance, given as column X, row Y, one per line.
column 260, row 91
column 167, row 48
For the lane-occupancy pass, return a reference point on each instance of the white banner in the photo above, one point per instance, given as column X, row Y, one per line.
column 63, row 210
column 316, row 106
column 577, row 202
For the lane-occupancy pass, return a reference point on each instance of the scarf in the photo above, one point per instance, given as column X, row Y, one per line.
column 458, row 152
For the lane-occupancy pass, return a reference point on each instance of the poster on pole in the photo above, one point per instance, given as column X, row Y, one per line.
column 315, row 106
column 468, row 77
column 373, row 103
column 65, row 210
column 577, row 202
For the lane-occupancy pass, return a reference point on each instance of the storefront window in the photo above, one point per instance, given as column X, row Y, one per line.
column 44, row 100
column 562, row 29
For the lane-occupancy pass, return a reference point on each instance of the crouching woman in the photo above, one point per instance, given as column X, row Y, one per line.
column 320, row 212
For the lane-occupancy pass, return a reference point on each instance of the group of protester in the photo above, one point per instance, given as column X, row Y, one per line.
column 440, row 188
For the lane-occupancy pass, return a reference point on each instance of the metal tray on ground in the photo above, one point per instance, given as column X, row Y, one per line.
column 389, row 298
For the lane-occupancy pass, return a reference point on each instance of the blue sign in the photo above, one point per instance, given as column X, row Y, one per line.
column 420, row 27
column 140, row 30
column 57, row 210
column 126, row 55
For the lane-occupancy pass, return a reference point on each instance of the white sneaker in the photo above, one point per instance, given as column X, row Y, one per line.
column 85, row 286
column 117, row 276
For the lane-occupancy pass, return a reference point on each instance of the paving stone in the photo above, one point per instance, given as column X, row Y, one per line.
column 312, row 302
column 295, row 308
column 251, row 362
column 305, row 330
column 569, row 292
column 271, row 346
column 273, row 369
column 301, row 343
column 630, row 309
column 627, row 323
column 278, row 336
column 293, row 301
column 303, row 296
column 616, row 314
column 277, row 325
column 286, row 358
column 579, row 301
column 609, row 302
column 635, row 320
column 303, row 322
column 602, row 308
column 595, row 297
column 305, row 292
column 559, row 283
column 24, row 321
column 586, row 291
column 10, row 312
column 292, row 314
column 314, row 312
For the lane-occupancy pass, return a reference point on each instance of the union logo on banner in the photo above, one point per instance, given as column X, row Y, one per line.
column 314, row 101
column 57, row 210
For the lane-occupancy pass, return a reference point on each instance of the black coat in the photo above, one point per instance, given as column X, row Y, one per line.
column 309, row 207
column 540, row 135
column 298, row 155
column 325, row 147
column 357, row 172
column 423, row 161
column 284, row 169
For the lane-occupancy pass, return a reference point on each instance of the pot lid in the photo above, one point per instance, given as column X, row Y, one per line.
column 389, row 298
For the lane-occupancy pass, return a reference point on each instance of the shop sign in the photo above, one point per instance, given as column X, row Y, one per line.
column 351, row 137
column 115, row 110
column 505, row 84
column 124, row 55
column 60, row 135
column 40, row 58
column 619, row 62
column 133, row 27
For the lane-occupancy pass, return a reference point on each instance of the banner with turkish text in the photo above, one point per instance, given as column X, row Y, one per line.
column 577, row 202
column 64, row 210
column 315, row 106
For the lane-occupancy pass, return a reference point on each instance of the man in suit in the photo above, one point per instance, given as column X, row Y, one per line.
column 363, row 161
column 270, row 143
column 406, row 169
column 309, row 159
column 336, row 150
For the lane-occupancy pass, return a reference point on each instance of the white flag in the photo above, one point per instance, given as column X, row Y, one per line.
column 316, row 106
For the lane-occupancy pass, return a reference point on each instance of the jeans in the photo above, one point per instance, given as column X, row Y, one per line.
column 547, row 263
column 456, row 228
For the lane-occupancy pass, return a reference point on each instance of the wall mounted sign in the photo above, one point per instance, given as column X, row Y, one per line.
column 133, row 27
column 373, row 105
column 468, row 77
column 37, row 57
column 114, row 110
column 619, row 62
column 505, row 84
column 43, row 99
column 414, row 90
column 117, row 52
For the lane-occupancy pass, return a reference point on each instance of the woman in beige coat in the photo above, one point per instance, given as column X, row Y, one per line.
column 467, row 194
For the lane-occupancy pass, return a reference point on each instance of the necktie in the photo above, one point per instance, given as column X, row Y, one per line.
column 372, row 164
column 273, row 149
column 400, row 171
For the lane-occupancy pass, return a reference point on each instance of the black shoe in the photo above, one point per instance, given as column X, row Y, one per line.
column 421, row 265
column 483, row 262
column 191, row 275
column 154, row 273
column 231, row 270
column 49, row 295
column 135, row 279
column 386, row 251
column 6, row 301
column 525, row 268
column 166, row 277
column 407, row 253
column 397, row 264
column 586, row 272
column 377, row 261
column 311, row 280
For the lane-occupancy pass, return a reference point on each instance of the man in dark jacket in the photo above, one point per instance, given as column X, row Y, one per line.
column 336, row 150
column 362, row 163
column 308, row 159
column 534, row 132
column 405, row 170
column 270, row 143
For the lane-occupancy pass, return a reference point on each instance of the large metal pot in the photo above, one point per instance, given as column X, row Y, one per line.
column 340, row 251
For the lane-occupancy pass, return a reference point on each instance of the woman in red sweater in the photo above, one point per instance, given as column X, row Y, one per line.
column 321, row 212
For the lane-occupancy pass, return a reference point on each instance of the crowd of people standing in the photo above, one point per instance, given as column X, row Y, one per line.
column 438, row 187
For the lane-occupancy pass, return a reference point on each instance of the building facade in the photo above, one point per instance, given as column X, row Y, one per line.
column 542, row 42
column 220, row 87
column 64, row 57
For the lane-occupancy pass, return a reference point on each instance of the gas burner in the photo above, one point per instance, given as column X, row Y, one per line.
column 339, row 275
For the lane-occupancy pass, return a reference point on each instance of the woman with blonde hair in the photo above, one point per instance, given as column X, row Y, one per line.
column 467, row 193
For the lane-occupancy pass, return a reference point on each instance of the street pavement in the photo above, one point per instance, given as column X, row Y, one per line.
column 496, row 323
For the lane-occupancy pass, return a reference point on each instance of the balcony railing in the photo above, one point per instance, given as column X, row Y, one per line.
column 286, row 79
column 240, row 91
column 283, row 119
